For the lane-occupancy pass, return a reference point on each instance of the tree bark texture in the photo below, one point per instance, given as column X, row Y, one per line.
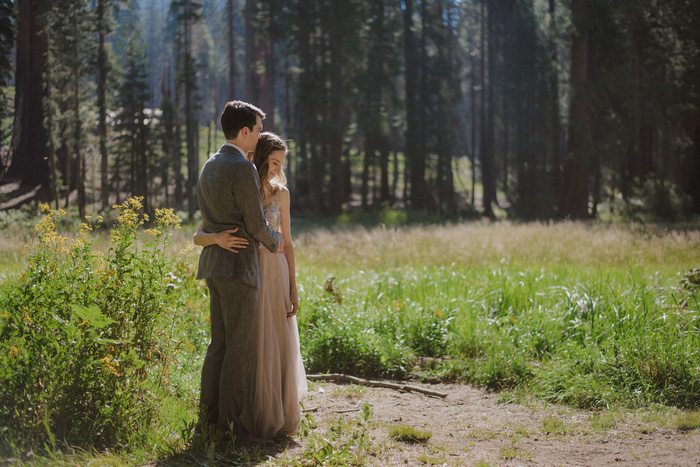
column 575, row 191
column 29, row 147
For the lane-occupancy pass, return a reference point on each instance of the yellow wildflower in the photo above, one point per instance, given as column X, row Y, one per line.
column 14, row 352
column 167, row 218
column 109, row 365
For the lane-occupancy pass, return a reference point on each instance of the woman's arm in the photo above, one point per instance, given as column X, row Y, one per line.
column 225, row 239
column 285, row 225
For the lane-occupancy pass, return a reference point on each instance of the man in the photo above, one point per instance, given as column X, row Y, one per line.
column 229, row 201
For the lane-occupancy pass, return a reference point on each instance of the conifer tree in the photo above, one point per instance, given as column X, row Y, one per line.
column 132, row 125
column 71, row 47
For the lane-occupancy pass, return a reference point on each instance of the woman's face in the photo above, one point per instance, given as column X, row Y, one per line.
column 274, row 163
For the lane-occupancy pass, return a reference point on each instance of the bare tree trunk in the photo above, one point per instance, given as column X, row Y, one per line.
column 254, row 52
column 554, row 90
column 28, row 148
column 575, row 190
column 415, row 181
column 231, row 54
column 191, row 125
column 488, row 175
column 267, row 85
column 102, row 70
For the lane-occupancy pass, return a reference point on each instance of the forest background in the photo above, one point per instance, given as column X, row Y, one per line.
column 542, row 109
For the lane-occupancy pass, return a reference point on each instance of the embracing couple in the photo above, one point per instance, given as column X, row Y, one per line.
column 253, row 376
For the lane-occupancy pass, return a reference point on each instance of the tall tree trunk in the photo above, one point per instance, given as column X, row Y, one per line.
column 415, row 182
column 191, row 124
column 167, row 133
column 554, row 91
column 29, row 146
column 254, row 53
column 372, row 105
column 102, row 70
column 488, row 173
column 472, row 153
column 231, row 53
column 77, row 130
column 337, row 175
column 575, row 190
column 267, row 85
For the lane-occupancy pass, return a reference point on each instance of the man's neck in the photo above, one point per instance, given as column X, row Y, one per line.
column 237, row 144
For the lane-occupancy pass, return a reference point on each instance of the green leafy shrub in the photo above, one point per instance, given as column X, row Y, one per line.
column 85, row 337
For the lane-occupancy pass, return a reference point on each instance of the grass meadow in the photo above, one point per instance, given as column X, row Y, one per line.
column 590, row 315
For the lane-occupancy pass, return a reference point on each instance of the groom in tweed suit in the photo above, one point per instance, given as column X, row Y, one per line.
column 229, row 198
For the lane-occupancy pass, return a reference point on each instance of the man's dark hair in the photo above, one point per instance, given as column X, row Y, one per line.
column 239, row 114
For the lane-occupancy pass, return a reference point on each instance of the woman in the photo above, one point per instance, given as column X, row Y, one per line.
column 279, row 380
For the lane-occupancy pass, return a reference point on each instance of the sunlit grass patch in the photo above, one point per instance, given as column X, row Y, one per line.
column 687, row 421
column 514, row 452
column 604, row 421
column 409, row 434
column 554, row 426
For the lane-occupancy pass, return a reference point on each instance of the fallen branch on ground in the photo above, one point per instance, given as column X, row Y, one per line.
column 337, row 377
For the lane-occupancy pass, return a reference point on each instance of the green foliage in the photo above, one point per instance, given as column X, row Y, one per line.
column 346, row 443
column 86, row 339
column 338, row 339
column 585, row 337
column 691, row 280
column 655, row 200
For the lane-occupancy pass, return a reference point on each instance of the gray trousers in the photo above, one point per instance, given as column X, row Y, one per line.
column 226, row 373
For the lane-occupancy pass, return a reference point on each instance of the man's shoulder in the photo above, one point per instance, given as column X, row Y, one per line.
column 226, row 158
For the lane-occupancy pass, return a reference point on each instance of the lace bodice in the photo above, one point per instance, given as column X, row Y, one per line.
column 273, row 213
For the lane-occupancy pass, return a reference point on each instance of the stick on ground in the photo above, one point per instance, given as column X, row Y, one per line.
column 338, row 377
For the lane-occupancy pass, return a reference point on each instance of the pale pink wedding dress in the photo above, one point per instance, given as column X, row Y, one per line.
column 279, row 379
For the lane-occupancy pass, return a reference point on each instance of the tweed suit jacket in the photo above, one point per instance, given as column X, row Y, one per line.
column 229, row 196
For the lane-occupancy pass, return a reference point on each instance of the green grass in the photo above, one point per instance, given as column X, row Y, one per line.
column 586, row 314
column 514, row 452
column 409, row 434
column 687, row 421
column 590, row 315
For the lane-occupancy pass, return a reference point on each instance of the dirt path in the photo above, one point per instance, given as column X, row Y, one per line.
column 470, row 427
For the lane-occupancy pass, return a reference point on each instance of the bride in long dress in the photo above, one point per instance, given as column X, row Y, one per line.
column 278, row 381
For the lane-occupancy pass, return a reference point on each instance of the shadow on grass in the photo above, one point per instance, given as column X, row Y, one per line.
column 205, row 449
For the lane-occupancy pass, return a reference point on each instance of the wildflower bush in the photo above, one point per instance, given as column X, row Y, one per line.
column 86, row 336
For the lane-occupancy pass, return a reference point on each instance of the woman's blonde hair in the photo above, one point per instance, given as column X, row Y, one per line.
column 267, row 144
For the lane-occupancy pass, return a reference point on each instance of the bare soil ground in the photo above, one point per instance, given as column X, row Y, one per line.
column 472, row 427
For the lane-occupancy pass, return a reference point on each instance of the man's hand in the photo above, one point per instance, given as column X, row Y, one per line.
column 280, row 249
column 228, row 241
column 295, row 304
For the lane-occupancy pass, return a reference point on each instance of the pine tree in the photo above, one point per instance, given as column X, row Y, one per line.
column 132, row 125
column 71, row 47
column 185, row 14
column 103, row 24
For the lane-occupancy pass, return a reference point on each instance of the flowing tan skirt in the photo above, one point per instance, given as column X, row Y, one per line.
column 279, row 379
